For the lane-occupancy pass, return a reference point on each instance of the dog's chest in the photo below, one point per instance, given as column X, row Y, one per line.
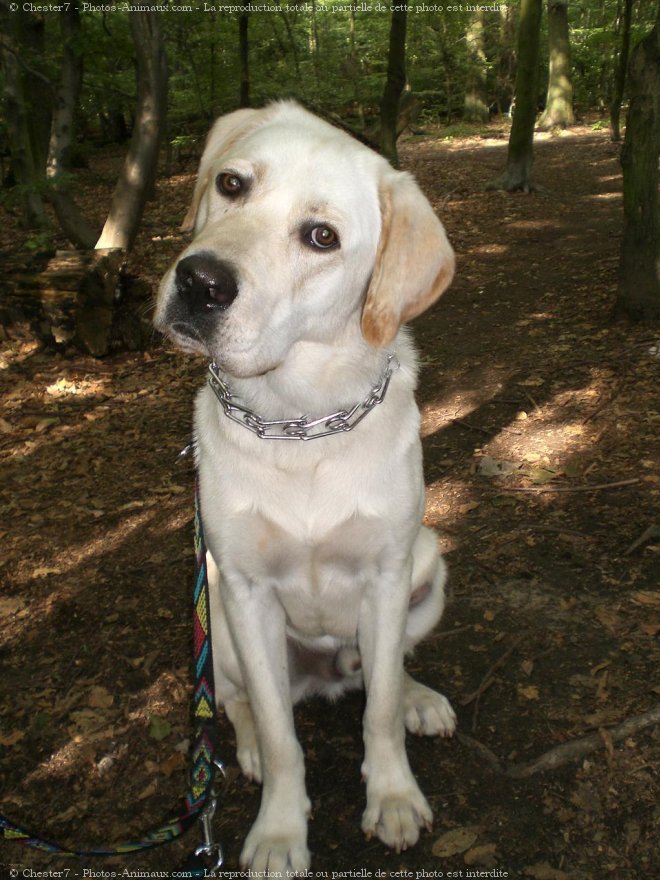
column 319, row 582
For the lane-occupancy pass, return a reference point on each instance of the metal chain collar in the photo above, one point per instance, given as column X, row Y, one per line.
column 301, row 428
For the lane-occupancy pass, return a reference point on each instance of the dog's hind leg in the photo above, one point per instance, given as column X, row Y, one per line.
column 427, row 712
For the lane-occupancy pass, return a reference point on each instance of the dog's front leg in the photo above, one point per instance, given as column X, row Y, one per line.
column 277, row 841
column 396, row 808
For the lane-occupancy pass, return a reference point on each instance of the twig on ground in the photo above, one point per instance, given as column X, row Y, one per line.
column 443, row 634
column 532, row 401
column 541, row 527
column 653, row 531
column 568, row 751
column 462, row 424
column 488, row 679
column 593, row 488
column 579, row 748
column 482, row 750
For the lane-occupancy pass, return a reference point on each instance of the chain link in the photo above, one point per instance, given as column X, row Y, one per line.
column 301, row 428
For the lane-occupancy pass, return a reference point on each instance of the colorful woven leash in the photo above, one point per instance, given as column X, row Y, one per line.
column 203, row 766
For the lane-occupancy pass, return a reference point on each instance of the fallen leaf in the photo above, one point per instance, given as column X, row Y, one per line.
column 11, row 739
column 456, row 841
column 176, row 761
column 481, row 855
column 159, row 728
column 44, row 570
column 471, row 505
column 540, row 475
column 608, row 617
column 647, row 597
column 493, row 467
column 10, row 605
column 100, row 698
column 43, row 424
column 527, row 666
column 529, row 692
column 147, row 792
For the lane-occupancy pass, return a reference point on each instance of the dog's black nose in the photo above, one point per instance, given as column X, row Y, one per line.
column 205, row 282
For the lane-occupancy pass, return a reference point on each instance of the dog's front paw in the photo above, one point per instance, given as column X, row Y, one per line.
column 396, row 818
column 428, row 713
column 277, row 842
column 278, row 851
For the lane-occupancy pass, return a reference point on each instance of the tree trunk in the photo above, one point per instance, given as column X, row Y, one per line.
column 354, row 69
column 74, row 225
column 25, row 164
column 137, row 177
column 243, row 49
column 559, row 102
column 292, row 41
column 639, row 285
column 67, row 95
column 394, row 85
column 518, row 172
column 38, row 87
column 476, row 94
column 620, row 82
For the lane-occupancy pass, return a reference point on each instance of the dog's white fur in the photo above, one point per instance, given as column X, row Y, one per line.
column 321, row 574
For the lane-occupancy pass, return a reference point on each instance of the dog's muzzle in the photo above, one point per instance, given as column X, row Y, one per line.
column 204, row 283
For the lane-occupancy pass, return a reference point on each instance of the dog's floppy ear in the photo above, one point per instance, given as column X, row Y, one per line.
column 414, row 261
column 225, row 132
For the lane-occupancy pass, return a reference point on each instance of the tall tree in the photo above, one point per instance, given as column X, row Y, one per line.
column 394, row 85
column 243, row 51
column 138, row 174
column 62, row 133
column 558, row 111
column 518, row 172
column 476, row 102
column 622, row 66
column 639, row 287
column 27, row 96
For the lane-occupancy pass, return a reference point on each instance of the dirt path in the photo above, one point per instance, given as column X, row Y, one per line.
column 529, row 395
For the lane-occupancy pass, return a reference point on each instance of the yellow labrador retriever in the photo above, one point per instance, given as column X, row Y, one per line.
column 309, row 253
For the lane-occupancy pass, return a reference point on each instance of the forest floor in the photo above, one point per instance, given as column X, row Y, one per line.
column 540, row 430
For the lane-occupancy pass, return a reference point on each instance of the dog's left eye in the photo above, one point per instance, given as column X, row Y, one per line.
column 229, row 184
column 322, row 237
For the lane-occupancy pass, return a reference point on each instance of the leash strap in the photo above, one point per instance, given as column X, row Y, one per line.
column 205, row 744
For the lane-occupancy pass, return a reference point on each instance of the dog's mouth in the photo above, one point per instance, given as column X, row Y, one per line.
column 187, row 338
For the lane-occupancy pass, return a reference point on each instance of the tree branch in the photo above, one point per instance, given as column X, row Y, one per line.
column 566, row 752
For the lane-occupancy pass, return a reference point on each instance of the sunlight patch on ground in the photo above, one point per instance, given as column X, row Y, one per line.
column 550, row 438
column 17, row 353
column 487, row 249
column 45, row 597
column 64, row 387
column 535, row 225
column 95, row 721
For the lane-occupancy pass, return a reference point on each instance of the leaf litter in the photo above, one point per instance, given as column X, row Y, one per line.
column 527, row 384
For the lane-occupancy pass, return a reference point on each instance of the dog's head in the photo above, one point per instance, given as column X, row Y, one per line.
column 301, row 233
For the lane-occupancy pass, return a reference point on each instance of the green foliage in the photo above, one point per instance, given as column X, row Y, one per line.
column 39, row 242
column 329, row 57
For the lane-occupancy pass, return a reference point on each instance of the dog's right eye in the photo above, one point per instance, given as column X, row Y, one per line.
column 229, row 184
